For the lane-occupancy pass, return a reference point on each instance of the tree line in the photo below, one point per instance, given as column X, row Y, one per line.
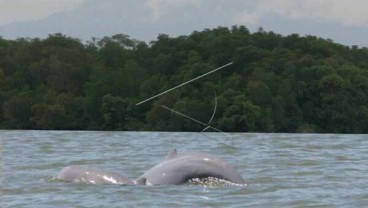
column 277, row 83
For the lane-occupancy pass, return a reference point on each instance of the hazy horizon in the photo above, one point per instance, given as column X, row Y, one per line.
column 343, row 22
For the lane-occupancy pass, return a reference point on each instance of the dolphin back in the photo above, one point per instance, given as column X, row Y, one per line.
column 180, row 168
column 80, row 174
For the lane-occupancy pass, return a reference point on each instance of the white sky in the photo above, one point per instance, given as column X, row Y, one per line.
column 346, row 12
column 345, row 21
column 24, row 10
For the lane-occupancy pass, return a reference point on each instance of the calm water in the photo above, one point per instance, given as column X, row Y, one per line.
column 282, row 170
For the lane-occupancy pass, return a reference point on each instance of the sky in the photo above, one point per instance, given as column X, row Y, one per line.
column 343, row 21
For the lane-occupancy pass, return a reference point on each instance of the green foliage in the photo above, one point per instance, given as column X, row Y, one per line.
column 48, row 116
column 276, row 84
column 17, row 111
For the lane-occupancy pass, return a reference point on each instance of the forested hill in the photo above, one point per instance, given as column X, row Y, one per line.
column 276, row 84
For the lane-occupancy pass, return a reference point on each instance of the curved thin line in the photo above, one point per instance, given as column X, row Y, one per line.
column 195, row 120
column 214, row 111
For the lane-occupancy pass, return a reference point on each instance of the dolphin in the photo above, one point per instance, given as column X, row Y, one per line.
column 92, row 176
column 180, row 168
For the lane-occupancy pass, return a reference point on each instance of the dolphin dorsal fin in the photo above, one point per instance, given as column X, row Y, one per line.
column 171, row 154
column 140, row 181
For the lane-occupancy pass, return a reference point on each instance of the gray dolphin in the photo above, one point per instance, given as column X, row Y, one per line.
column 180, row 168
column 92, row 176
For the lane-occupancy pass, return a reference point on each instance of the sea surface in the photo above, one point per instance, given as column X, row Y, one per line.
column 281, row 170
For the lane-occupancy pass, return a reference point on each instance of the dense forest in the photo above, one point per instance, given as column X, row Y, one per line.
column 276, row 83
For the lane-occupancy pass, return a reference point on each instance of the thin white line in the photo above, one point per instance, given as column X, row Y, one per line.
column 214, row 111
column 195, row 120
column 184, row 83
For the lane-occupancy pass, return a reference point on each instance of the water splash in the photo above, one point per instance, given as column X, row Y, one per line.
column 212, row 182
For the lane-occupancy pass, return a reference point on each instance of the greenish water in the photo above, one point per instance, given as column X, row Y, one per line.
column 281, row 170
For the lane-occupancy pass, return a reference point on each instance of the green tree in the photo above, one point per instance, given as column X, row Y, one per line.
column 48, row 116
column 17, row 112
column 114, row 111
